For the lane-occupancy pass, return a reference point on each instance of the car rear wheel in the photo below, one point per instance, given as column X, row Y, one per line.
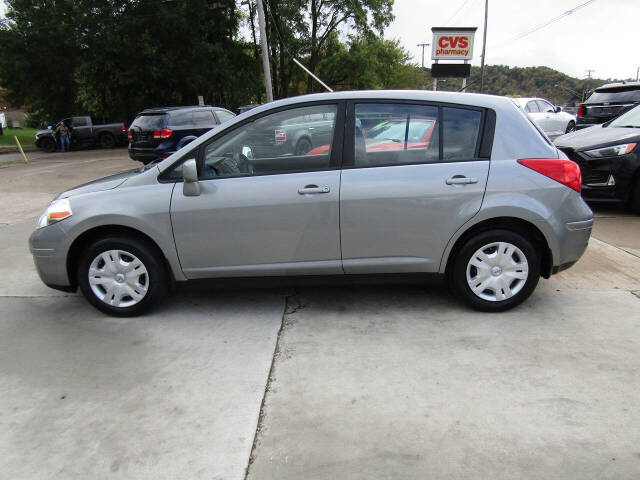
column 122, row 276
column 496, row 270
column 303, row 146
column 571, row 127
column 107, row 141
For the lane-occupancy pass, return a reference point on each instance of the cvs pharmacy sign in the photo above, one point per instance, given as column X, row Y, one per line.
column 455, row 44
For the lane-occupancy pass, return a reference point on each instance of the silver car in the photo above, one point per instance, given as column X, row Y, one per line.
column 451, row 186
column 548, row 117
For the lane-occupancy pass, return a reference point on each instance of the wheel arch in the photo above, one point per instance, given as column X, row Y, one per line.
column 89, row 236
column 518, row 225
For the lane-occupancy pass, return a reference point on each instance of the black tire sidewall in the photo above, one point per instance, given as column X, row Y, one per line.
column 569, row 129
column 48, row 145
column 107, row 138
column 303, row 141
column 458, row 276
column 150, row 256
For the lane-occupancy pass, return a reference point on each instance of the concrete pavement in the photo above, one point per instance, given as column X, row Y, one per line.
column 375, row 382
column 173, row 395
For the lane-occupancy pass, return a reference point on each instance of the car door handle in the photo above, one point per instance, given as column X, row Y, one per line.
column 313, row 189
column 460, row 180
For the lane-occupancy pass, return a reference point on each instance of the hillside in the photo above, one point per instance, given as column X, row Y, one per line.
column 526, row 82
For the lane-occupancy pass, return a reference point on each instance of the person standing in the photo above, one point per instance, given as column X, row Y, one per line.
column 63, row 133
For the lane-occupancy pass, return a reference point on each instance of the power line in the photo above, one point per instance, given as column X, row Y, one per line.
column 455, row 14
column 540, row 26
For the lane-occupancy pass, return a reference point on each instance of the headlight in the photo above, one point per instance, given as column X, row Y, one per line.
column 58, row 210
column 613, row 151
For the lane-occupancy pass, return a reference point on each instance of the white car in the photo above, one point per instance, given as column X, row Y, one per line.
column 549, row 118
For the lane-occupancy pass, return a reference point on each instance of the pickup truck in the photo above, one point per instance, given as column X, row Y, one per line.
column 83, row 134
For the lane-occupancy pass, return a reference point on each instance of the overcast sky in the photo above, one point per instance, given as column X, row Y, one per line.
column 602, row 35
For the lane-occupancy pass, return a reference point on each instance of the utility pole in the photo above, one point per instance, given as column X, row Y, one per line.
column 423, row 45
column 637, row 73
column 589, row 73
column 484, row 45
column 265, row 52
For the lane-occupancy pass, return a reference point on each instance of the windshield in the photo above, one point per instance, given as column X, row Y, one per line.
column 628, row 119
column 148, row 122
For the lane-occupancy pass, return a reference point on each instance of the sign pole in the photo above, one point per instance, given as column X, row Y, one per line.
column 265, row 52
column 484, row 45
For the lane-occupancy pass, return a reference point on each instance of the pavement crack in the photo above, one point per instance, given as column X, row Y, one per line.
column 292, row 304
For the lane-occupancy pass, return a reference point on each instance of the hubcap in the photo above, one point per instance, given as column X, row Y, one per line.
column 497, row 271
column 118, row 278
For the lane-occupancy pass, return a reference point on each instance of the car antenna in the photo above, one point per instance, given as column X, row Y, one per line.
column 312, row 75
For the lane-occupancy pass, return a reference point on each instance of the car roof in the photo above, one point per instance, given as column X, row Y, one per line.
column 619, row 86
column 158, row 110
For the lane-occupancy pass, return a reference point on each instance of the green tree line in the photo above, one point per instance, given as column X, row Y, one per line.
column 113, row 58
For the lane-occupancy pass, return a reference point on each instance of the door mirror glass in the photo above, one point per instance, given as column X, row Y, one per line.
column 558, row 109
column 191, row 187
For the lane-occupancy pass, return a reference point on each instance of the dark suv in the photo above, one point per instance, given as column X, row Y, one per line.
column 156, row 133
column 607, row 102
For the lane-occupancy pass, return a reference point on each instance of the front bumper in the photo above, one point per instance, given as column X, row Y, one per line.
column 48, row 247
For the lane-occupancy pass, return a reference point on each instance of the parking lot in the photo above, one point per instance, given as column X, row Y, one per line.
column 350, row 382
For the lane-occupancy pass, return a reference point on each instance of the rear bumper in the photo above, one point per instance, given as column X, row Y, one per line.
column 148, row 154
column 574, row 242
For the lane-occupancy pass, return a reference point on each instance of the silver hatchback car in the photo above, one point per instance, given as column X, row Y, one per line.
column 456, row 186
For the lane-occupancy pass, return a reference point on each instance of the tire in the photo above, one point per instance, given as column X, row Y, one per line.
column 48, row 145
column 137, row 281
column 523, row 266
column 634, row 198
column 107, row 140
column 303, row 146
column 571, row 127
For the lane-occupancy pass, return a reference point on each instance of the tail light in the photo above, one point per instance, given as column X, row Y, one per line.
column 563, row 171
column 580, row 110
column 122, row 128
column 130, row 134
column 162, row 134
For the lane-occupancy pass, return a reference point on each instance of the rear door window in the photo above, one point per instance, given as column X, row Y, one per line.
column 148, row 123
column 395, row 134
column 181, row 118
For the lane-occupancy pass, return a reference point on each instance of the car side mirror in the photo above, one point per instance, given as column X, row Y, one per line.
column 190, row 187
column 558, row 109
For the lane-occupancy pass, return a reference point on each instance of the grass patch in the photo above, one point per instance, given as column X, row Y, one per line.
column 25, row 135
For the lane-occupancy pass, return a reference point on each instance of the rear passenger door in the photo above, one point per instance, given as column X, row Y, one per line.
column 412, row 175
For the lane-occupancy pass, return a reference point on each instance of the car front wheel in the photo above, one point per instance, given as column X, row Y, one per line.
column 496, row 270
column 122, row 276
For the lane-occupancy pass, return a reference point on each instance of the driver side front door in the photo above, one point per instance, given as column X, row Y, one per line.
column 281, row 219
